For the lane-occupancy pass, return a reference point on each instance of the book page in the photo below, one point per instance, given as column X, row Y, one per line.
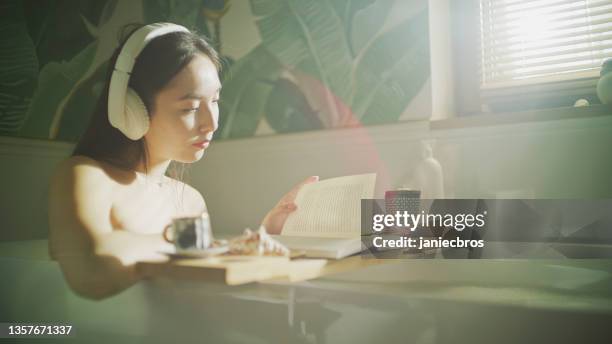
column 330, row 208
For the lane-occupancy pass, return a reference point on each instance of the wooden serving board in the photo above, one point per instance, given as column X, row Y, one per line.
column 232, row 270
column 235, row 270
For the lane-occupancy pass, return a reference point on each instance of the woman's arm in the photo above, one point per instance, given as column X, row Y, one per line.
column 110, row 269
column 96, row 260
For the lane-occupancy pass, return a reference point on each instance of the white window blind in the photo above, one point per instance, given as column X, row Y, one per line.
column 527, row 42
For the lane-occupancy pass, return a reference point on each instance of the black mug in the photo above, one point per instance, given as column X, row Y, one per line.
column 189, row 233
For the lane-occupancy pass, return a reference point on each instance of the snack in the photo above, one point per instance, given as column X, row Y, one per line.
column 258, row 243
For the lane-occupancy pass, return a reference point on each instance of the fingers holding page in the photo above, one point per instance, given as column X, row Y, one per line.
column 290, row 196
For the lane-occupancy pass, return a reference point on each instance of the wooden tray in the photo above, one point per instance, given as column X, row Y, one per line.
column 231, row 270
column 235, row 270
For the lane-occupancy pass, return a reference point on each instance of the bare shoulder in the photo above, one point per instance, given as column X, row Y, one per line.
column 80, row 198
column 90, row 172
column 77, row 170
column 84, row 174
column 82, row 178
column 192, row 198
column 78, row 165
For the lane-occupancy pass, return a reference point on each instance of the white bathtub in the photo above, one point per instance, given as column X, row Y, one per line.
column 408, row 301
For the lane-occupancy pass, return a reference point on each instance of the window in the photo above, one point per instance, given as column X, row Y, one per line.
column 528, row 42
column 529, row 54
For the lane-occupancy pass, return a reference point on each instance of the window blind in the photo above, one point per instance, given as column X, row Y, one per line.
column 526, row 42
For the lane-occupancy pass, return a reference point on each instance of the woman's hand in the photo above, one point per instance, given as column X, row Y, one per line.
column 275, row 219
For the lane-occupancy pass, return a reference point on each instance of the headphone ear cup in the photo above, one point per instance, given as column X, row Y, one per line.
column 136, row 116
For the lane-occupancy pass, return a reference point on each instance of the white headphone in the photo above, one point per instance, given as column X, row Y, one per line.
column 126, row 110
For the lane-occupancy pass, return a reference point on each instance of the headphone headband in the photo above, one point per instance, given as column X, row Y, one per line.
column 118, row 87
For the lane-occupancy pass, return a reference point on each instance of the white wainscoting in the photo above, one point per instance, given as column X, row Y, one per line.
column 242, row 179
column 568, row 158
column 26, row 168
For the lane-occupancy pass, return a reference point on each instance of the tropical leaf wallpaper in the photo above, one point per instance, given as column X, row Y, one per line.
column 289, row 65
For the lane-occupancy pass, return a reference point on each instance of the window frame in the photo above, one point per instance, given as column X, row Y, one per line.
column 471, row 100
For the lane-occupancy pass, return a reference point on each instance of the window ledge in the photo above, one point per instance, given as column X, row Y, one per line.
column 494, row 119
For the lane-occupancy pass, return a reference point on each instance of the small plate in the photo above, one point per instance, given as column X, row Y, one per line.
column 195, row 253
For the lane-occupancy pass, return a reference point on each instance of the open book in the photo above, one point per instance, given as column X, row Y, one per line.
column 327, row 223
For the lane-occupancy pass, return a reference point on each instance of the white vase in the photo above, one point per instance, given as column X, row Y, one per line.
column 427, row 175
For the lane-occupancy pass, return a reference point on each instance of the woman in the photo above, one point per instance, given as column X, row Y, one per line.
column 110, row 200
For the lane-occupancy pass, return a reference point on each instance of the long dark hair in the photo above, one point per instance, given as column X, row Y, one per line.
column 160, row 60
